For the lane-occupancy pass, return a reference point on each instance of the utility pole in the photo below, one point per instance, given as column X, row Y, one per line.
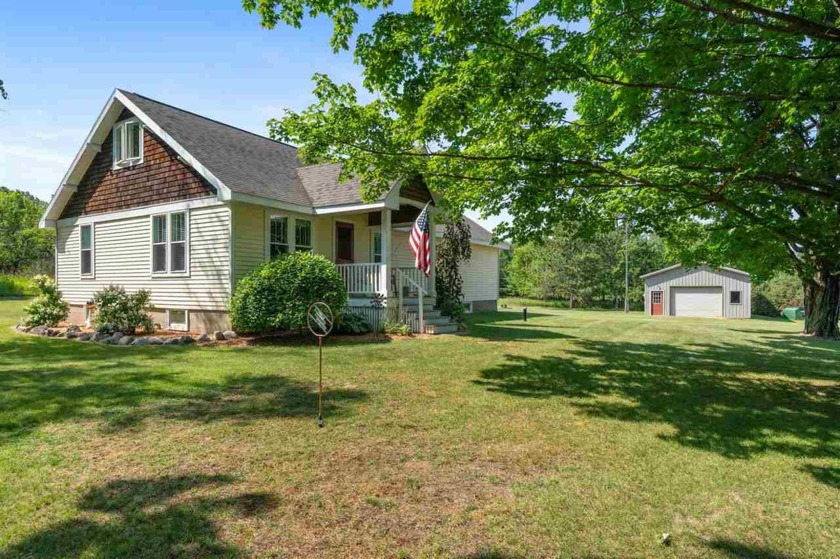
column 626, row 265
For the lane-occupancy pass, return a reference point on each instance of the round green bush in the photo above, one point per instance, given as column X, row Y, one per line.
column 277, row 295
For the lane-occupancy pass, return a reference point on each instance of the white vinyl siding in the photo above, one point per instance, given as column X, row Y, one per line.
column 481, row 274
column 123, row 257
column 252, row 235
column 702, row 276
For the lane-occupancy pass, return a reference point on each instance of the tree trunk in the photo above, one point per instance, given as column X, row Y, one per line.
column 822, row 304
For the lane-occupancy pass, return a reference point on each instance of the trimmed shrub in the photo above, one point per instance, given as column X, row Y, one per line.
column 48, row 308
column 277, row 294
column 118, row 311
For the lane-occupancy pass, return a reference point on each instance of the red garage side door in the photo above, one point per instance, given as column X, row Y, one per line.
column 657, row 303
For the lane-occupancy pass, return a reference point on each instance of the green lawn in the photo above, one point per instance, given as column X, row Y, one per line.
column 576, row 434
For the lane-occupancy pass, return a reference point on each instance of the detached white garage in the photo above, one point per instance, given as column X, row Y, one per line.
column 700, row 292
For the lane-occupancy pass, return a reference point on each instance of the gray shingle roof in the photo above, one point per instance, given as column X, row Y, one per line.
column 246, row 163
column 477, row 232
column 321, row 183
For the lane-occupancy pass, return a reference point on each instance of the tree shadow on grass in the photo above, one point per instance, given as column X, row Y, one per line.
column 824, row 474
column 46, row 381
column 735, row 400
column 739, row 550
column 242, row 399
column 152, row 518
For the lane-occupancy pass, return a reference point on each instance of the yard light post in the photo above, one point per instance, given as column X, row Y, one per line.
column 626, row 265
column 319, row 319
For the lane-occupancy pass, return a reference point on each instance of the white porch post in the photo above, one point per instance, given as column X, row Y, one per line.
column 432, row 253
column 386, row 251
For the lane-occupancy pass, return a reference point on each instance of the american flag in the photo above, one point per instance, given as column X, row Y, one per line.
column 419, row 242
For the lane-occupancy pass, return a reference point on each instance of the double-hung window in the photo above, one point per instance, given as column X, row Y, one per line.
column 376, row 247
column 128, row 143
column 86, row 250
column 278, row 240
column 170, row 243
column 303, row 235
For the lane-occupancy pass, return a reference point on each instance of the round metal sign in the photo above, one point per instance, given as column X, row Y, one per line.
column 319, row 319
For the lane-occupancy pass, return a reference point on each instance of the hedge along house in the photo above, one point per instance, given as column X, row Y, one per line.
column 701, row 291
column 162, row 199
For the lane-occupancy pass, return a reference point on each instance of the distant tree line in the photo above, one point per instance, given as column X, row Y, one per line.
column 24, row 248
column 582, row 267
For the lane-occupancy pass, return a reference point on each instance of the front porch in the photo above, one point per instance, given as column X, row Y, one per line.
column 390, row 282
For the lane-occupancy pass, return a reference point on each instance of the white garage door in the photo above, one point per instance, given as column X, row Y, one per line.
column 696, row 301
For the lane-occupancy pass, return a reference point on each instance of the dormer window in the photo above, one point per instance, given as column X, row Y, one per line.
column 128, row 143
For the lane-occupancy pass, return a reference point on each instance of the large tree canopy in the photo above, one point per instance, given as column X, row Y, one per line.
column 23, row 246
column 677, row 112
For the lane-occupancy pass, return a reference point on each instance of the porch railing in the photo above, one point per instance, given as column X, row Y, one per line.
column 417, row 277
column 366, row 278
column 405, row 279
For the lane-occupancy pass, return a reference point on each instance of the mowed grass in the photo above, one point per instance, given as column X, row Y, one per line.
column 576, row 434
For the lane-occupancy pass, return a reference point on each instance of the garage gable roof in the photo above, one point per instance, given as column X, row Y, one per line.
column 677, row 266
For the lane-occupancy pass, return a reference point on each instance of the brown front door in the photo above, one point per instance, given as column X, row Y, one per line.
column 657, row 306
column 343, row 243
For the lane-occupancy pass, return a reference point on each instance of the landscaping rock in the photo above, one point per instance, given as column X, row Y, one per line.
column 83, row 337
column 187, row 340
column 116, row 337
column 97, row 337
column 106, row 340
column 125, row 340
column 140, row 341
column 172, row 341
column 155, row 341
column 204, row 338
column 230, row 335
column 70, row 334
column 22, row 328
column 74, row 328
column 219, row 336
column 52, row 332
column 39, row 330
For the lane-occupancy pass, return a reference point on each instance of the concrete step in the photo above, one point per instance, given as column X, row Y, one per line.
column 441, row 329
column 436, row 320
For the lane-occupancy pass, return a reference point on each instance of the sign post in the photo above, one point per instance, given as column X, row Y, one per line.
column 319, row 319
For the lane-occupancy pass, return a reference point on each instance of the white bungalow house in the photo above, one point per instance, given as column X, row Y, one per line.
column 163, row 199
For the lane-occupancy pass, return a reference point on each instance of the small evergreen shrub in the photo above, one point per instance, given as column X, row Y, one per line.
column 277, row 294
column 351, row 323
column 118, row 311
column 48, row 308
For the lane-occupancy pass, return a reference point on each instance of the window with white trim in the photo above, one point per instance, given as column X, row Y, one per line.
column 170, row 243
column 376, row 247
column 86, row 249
column 656, row 297
column 178, row 242
column 278, row 239
column 177, row 319
column 734, row 297
column 303, row 235
column 128, row 143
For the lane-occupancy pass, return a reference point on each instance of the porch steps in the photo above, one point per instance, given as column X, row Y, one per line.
column 435, row 329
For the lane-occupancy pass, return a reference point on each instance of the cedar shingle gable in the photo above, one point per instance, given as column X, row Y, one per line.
column 161, row 178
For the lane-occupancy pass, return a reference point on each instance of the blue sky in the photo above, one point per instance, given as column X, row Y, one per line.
column 61, row 60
